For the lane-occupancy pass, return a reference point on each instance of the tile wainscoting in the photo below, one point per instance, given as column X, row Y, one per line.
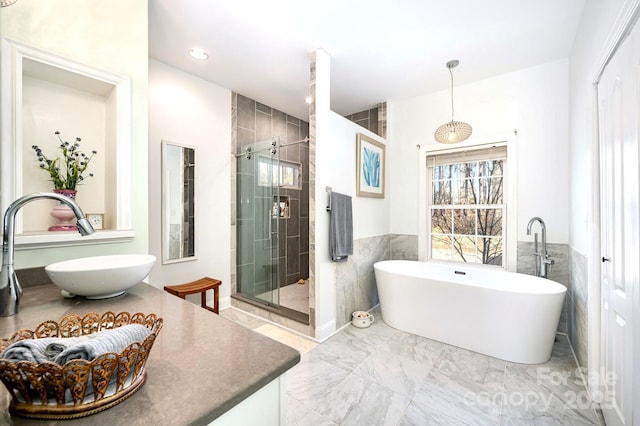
column 404, row 247
column 355, row 278
column 570, row 269
column 558, row 272
column 578, row 324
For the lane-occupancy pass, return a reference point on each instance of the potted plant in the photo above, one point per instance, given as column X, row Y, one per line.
column 66, row 173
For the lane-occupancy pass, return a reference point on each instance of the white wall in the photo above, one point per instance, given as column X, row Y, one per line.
column 335, row 160
column 534, row 101
column 595, row 26
column 370, row 215
column 188, row 110
column 76, row 114
column 109, row 36
column 596, row 35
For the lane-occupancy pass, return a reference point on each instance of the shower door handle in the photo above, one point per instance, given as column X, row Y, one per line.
column 270, row 219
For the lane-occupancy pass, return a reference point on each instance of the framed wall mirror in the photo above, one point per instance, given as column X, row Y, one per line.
column 178, row 202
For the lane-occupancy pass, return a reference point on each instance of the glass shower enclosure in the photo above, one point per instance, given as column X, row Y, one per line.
column 258, row 211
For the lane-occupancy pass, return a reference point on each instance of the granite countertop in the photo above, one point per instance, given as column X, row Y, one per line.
column 201, row 365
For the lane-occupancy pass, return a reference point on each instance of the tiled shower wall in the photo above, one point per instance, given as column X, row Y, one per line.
column 189, row 195
column 241, row 133
column 253, row 122
column 374, row 119
column 179, row 244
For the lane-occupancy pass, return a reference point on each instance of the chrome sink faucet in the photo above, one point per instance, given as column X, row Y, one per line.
column 542, row 259
column 10, row 290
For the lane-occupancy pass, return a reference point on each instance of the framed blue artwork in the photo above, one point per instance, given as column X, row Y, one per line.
column 370, row 160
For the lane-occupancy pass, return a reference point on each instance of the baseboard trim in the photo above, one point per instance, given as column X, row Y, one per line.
column 326, row 330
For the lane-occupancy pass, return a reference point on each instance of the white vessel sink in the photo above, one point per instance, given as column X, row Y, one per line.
column 100, row 277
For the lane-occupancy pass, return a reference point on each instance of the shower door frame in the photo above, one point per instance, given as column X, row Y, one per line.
column 266, row 227
column 273, row 146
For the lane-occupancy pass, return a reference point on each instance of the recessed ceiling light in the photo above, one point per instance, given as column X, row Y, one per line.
column 198, row 53
column 308, row 99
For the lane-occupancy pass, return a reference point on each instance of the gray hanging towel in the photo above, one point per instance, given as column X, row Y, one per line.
column 340, row 227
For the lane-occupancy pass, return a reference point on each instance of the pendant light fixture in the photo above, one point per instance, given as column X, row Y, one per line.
column 453, row 131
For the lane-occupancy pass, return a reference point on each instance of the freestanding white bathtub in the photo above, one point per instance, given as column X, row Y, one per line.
column 501, row 314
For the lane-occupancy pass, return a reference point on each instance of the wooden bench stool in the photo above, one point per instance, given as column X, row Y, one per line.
column 199, row 286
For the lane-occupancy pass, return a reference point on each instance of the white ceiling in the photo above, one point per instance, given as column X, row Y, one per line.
column 380, row 49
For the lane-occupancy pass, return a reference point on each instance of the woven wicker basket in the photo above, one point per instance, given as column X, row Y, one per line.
column 52, row 391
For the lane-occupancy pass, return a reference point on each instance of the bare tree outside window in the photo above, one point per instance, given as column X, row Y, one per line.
column 467, row 212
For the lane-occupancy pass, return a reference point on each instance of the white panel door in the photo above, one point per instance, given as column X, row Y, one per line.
column 618, row 94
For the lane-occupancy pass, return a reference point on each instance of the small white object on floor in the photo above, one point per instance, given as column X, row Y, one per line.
column 362, row 319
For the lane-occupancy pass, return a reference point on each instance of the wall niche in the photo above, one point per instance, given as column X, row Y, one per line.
column 45, row 93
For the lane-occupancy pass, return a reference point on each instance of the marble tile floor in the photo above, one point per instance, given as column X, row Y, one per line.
column 382, row 376
column 283, row 335
column 302, row 344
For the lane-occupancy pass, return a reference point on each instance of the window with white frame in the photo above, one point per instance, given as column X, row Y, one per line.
column 466, row 206
column 284, row 174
